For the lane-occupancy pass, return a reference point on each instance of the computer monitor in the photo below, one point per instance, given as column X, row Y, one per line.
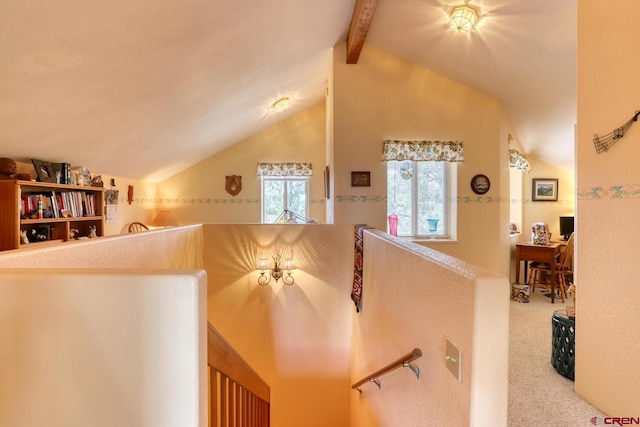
column 566, row 226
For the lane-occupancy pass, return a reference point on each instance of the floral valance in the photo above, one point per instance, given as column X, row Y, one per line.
column 284, row 169
column 519, row 161
column 422, row 151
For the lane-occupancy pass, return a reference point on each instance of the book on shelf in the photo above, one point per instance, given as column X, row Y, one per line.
column 62, row 172
column 77, row 203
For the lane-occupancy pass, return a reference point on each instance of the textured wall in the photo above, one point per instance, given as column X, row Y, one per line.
column 385, row 97
column 419, row 299
column 608, row 231
column 296, row 337
column 98, row 347
column 197, row 195
column 177, row 247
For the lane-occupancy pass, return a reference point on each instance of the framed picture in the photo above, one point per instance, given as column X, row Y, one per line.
column 44, row 171
column 544, row 190
column 361, row 179
column 111, row 197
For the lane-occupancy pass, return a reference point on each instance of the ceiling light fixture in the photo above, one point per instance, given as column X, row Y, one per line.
column 281, row 105
column 463, row 18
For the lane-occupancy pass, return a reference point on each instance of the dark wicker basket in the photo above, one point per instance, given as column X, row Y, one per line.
column 562, row 346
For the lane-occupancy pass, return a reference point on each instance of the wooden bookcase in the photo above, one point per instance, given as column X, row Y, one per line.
column 86, row 209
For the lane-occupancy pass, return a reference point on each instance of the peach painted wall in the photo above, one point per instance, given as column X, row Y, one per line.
column 171, row 248
column 415, row 297
column 548, row 212
column 385, row 97
column 296, row 337
column 94, row 303
column 102, row 347
column 197, row 195
column 607, row 249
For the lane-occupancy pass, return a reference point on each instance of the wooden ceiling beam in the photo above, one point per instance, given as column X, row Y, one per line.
column 360, row 21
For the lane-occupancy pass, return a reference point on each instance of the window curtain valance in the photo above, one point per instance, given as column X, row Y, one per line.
column 284, row 169
column 422, row 151
column 519, row 161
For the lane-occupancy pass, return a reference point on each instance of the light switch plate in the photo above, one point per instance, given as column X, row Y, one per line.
column 452, row 359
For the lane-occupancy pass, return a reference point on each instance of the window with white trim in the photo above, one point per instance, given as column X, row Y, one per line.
column 421, row 186
column 281, row 193
column 418, row 192
column 285, row 187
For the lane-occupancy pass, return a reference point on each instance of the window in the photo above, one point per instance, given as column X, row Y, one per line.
column 418, row 191
column 284, row 192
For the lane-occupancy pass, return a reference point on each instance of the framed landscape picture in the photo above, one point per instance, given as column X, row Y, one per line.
column 544, row 190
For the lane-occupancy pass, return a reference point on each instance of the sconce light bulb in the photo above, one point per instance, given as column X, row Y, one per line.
column 263, row 264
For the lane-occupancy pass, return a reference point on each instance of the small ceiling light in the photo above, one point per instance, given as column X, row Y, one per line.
column 281, row 105
column 463, row 18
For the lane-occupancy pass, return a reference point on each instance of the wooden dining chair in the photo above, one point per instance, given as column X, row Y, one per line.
column 136, row 227
column 539, row 273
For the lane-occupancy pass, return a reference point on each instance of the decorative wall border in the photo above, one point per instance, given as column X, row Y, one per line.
column 627, row 191
column 459, row 200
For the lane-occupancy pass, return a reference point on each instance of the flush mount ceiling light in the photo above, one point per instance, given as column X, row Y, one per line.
column 281, row 105
column 463, row 18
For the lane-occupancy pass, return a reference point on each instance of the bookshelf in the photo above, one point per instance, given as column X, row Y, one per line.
column 48, row 212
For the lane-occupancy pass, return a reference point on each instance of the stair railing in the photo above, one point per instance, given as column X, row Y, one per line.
column 404, row 361
column 238, row 397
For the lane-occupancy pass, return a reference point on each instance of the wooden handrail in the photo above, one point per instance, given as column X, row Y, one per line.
column 238, row 396
column 404, row 361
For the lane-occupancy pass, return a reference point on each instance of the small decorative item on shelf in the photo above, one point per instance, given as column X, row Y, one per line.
column 8, row 168
column 92, row 232
column 23, row 177
column 82, row 176
column 96, row 181
column 44, row 170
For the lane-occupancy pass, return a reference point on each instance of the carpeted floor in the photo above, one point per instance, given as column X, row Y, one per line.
column 538, row 395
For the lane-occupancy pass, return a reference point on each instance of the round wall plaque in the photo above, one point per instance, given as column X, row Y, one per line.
column 480, row 184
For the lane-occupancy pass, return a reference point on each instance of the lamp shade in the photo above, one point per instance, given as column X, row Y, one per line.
column 163, row 219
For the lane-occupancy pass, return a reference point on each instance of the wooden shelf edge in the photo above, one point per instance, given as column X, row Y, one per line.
column 60, row 220
column 58, row 186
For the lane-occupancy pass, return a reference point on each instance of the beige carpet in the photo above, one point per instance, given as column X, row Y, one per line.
column 538, row 395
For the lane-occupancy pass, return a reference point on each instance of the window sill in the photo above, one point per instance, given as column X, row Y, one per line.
column 421, row 240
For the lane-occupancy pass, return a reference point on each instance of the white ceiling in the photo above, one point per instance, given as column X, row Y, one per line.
column 144, row 89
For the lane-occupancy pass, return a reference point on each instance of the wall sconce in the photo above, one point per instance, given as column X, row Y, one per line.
column 277, row 271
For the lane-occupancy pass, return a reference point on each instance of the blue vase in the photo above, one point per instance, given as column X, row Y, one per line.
column 433, row 226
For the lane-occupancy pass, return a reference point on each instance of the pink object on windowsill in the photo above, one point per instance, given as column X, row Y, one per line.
column 393, row 224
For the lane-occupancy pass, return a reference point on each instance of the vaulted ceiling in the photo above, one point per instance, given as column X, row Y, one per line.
column 144, row 89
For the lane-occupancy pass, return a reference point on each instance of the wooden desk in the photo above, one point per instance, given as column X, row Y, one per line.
column 547, row 254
